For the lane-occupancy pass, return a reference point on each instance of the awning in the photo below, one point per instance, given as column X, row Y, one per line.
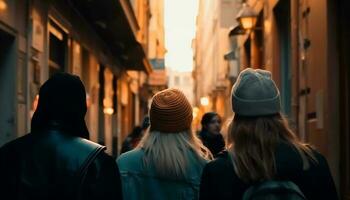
column 110, row 21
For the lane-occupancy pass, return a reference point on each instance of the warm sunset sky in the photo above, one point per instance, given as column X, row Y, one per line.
column 180, row 25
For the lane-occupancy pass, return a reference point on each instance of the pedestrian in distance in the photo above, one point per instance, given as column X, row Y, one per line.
column 266, row 160
column 56, row 160
column 168, row 162
column 210, row 133
column 133, row 139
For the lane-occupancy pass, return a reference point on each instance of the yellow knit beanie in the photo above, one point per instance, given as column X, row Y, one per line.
column 170, row 111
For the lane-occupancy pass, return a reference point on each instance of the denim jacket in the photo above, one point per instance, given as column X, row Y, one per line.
column 139, row 183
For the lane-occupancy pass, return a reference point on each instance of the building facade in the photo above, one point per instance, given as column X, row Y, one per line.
column 212, row 72
column 158, row 78
column 183, row 81
column 133, row 101
column 97, row 40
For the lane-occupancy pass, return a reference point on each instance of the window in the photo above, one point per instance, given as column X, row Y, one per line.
column 176, row 80
column 57, row 48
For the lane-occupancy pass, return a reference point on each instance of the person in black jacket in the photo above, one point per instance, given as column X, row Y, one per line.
column 210, row 133
column 133, row 139
column 56, row 160
column 263, row 147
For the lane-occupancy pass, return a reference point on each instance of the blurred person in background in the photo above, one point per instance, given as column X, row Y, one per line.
column 133, row 139
column 210, row 133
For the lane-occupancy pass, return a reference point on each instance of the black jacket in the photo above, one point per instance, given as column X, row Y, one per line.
column 215, row 143
column 219, row 180
column 55, row 165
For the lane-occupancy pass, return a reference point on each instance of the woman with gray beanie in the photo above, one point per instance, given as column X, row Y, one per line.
column 265, row 159
column 168, row 162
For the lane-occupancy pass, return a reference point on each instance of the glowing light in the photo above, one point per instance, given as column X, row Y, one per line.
column 195, row 112
column 247, row 17
column 108, row 111
column 77, row 48
column 204, row 101
column 3, row 5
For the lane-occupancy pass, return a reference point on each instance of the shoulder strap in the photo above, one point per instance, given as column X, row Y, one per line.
column 91, row 151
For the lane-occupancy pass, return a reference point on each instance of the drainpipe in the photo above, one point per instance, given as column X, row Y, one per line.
column 295, row 61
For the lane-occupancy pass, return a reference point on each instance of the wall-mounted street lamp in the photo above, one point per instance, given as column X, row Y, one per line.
column 231, row 56
column 237, row 30
column 247, row 17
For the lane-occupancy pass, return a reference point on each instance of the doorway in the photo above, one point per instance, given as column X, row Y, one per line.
column 7, row 87
column 282, row 13
column 344, row 83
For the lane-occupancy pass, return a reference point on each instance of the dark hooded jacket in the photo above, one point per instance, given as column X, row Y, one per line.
column 56, row 160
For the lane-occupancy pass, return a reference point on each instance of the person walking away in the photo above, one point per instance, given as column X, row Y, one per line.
column 135, row 136
column 266, row 159
column 168, row 162
column 210, row 133
column 56, row 160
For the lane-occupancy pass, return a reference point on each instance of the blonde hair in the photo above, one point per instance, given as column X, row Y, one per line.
column 167, row 152
column 254, row 144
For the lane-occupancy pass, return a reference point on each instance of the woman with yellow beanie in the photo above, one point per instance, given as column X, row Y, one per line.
column 168, row 162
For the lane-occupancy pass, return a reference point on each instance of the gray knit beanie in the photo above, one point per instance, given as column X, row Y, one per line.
column 255, row 94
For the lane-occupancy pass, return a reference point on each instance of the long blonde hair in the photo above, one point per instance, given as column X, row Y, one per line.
column 254, row 143
column 168, row 152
